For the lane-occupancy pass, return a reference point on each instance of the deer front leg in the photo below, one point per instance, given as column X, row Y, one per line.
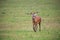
column 35, row 27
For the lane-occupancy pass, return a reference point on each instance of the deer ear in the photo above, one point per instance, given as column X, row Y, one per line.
column 36, row 12
column 31, row 13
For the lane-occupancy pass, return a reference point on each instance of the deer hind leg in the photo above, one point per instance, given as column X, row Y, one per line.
column 39, row 26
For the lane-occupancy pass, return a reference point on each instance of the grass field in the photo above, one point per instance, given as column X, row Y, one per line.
column 15, row 24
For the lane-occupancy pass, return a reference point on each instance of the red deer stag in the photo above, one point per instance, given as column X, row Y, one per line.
column 36, row 20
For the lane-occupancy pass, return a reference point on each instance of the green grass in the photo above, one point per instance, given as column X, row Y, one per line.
column 29, row 35
column 15, row 24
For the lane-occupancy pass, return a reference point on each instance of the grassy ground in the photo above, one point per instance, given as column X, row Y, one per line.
column 15, row 24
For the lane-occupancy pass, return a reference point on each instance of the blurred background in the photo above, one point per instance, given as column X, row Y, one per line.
column 15, row 24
